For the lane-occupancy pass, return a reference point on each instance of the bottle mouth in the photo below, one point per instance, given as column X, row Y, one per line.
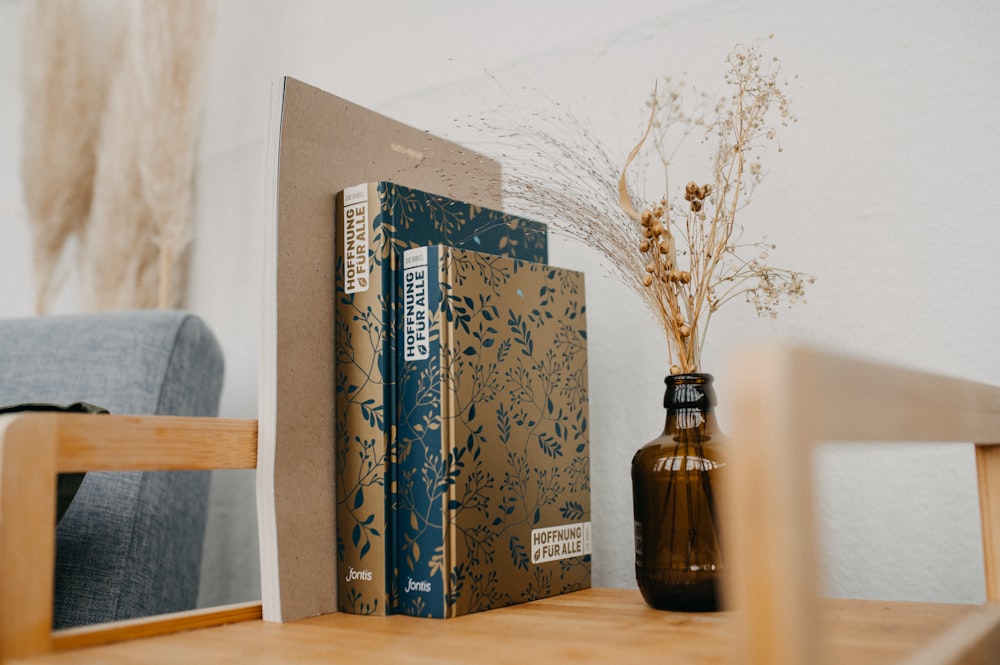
column 689, row 391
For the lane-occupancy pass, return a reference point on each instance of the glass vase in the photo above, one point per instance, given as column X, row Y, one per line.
column 678, row 558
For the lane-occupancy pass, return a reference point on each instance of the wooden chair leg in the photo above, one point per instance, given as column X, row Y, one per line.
column 988, row 467
column 772, row 571
column 27, row 534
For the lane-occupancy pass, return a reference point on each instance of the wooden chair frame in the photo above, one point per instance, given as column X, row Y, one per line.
column 34, row 448
column 786, row 399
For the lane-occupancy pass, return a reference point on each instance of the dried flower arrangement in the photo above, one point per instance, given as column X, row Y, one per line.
column 695, row 257
column 685, row 256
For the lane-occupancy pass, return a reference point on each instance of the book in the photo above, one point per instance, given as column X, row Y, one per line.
column 493, row 466
column 374, row 222
column 319, row 143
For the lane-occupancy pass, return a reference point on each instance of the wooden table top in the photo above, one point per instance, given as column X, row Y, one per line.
column 592, row 626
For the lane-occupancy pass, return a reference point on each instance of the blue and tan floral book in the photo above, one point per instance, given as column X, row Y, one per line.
column 493, row 472
column 375, row 222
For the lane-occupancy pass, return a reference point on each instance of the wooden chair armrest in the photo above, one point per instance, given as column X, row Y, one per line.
column 785, row 399
column 154, row 443
column 35, row 447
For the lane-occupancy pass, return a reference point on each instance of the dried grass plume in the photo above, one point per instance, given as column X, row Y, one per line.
column 63, row 93
column 119, row 137
column 142, row 226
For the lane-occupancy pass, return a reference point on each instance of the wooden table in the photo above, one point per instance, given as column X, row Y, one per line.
column 607, row 626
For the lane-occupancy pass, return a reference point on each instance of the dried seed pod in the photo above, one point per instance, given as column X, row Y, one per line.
column 650, row 268
column 696, row 205
column 675, row 369
column 685, row 331
column 685, row 277
column 644, row 246
column 647, row 218
column 648, row 281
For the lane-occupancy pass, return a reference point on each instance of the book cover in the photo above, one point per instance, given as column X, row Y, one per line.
column 374, row 222
column 493, row 473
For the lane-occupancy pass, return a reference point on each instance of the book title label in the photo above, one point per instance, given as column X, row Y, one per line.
column 416, row 339
column 356, row 231
column 560, row 542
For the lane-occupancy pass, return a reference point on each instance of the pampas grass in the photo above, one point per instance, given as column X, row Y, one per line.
column 175, row 37
column 109, row 145
column 62, row 103
column 142, row 226
column 116, row 268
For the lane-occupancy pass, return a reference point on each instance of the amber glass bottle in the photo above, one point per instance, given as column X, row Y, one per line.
column 678, row 559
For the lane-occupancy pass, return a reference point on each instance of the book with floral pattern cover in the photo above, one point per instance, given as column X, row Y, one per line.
column 375, row 221
column 493, row 470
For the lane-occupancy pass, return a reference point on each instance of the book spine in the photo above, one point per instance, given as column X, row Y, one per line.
column 361, row 422
column 422, row 490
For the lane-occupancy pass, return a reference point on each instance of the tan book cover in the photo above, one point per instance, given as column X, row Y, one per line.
column 493, row 472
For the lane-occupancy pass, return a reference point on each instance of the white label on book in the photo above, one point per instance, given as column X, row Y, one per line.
column 416, row 324
column 356, row 239
column 560, row 542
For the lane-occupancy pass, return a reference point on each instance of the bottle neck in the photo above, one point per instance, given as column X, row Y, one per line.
column 694, row 420
column 690, row 403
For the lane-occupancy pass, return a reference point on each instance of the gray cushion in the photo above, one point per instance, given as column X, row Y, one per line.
column 130, row 543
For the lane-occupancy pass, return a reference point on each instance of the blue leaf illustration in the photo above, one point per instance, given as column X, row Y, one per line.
column 550, row 446
column 518, row 553
column 573, row 510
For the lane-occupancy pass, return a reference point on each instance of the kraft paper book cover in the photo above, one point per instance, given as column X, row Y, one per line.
column 374, row 221
column 493, row 472
column 319, row 143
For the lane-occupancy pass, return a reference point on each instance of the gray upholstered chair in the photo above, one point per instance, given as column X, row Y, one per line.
column 130, row 543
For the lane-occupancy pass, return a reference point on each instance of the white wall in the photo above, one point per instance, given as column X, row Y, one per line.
column 886, row 190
